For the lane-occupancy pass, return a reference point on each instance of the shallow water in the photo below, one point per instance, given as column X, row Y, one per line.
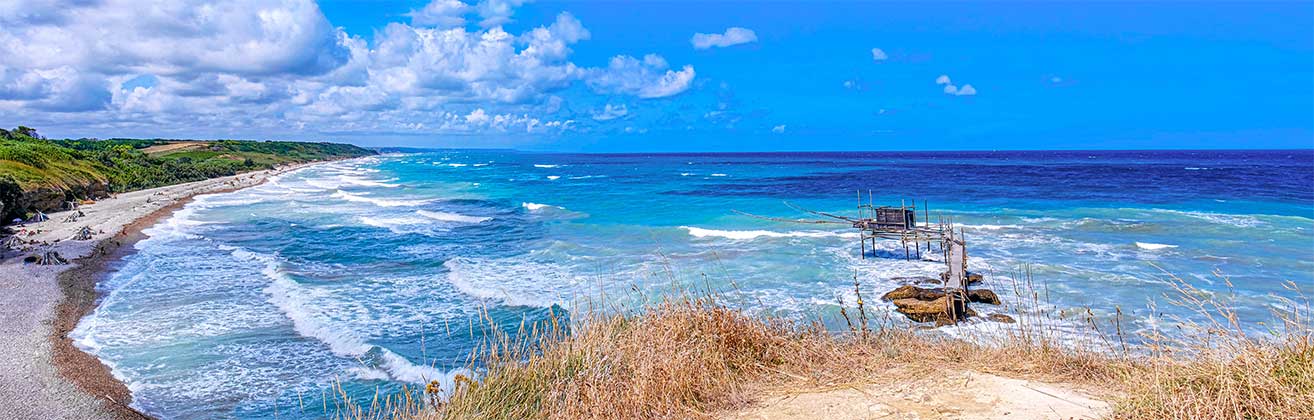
column 370, row 272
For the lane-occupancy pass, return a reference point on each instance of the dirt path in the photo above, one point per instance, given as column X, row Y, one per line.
column 959, row 395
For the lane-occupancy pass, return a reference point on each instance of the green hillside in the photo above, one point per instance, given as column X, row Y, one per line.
column 37, row 173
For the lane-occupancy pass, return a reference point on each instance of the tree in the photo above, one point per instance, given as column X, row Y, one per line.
column 27, row 131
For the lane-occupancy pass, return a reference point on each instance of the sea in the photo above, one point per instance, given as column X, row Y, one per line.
column 350, row 278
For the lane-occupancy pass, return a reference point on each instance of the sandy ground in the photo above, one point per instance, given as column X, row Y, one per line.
column 954, row 395
column 182, row 145
column 41, row 375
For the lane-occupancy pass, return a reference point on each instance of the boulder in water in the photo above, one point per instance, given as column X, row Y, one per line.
column 913, row 292
column 930, row 310
column 982, row 296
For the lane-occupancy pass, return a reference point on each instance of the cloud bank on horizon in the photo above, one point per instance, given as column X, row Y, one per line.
column 512, row 72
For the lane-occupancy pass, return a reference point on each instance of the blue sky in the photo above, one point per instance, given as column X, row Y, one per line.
column 668, row 76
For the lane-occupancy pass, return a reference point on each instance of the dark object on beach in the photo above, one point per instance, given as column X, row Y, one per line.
column 84, row 233
column 12, row 242
column 30, row 259
column 51, row 257
column 73, row 217
column 1001, row 318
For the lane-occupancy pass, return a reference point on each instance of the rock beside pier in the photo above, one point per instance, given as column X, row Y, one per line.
column 920, row 293
column 913, row 292
column 936, row 311
column 932, row 304
column 982, row 296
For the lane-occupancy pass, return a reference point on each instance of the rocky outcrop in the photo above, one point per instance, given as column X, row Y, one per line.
column 936, row 311
column 50, row 199
column 921, row 304
column 913, row 292
column 982, row 296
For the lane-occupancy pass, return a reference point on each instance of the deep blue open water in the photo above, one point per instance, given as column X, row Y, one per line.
column 368, row 273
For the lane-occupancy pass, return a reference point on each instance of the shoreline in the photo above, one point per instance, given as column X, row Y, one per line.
column 42, row 305
column 81, row 298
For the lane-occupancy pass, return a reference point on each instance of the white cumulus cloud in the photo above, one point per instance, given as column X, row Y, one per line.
column 647, row 78
column 611, row 112
column 732, row 36
column 951, row 89
column 444, row 13
column 878, row 55
column 778, row 129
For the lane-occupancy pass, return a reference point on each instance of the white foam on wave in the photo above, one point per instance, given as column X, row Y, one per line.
column 365, row 182
column 719, row 175
column 989, row 227
column 323, row 184
column 381, row 202
column 516, row 283
column 457, row 165
column 392, row 223
column 536, row 206
column 1153, row 246
column 480, row 164
column 452, row 217
column 1238, row 220
column 754, row 234
column 553, row 177
column 538, row 165
column 179, row 226
column 297, row 303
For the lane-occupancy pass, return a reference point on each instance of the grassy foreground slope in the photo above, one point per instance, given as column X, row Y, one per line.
column 693, row 358
column 40, row 174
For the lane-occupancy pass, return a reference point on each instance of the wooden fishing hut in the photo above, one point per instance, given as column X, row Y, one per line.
column 901, row 223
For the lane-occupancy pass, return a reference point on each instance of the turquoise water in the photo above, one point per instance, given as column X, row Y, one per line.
column 368, row 273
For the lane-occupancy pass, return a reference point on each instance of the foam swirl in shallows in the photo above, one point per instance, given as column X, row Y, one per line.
column 381, row 202
column 297, row 303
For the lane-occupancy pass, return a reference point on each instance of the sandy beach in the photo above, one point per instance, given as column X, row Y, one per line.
column 44, row 375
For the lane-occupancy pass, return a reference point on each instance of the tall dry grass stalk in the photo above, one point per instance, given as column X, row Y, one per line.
column 688, row 357
column 1215, row 369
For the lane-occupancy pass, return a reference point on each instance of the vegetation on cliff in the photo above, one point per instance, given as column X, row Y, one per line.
column 40, row 174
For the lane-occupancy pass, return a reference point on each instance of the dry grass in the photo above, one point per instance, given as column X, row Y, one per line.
column 692, row 358
column 1214, row 369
